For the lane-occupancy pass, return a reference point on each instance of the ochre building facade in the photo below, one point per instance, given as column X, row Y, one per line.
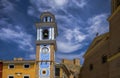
column 19, row 69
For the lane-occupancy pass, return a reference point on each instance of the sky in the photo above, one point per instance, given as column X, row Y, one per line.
column 78, row 21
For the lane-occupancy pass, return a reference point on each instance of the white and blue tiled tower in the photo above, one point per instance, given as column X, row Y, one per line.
column 46, row 45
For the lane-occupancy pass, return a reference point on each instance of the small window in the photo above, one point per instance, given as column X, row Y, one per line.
column 104, row 59
column 26, row 66
column 91, row 67
column 11, row 77
column 11, row 66
column 57, row 71
column 45, row 34
column 51, row 20
column 47, row 19
column 26, row 77
column 107, row 38
column 119, row 49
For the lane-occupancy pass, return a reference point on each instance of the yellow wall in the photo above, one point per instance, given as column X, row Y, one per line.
column 61, row 72
column 19, row 68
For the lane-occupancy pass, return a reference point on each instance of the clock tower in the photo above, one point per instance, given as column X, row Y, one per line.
column 46, row 46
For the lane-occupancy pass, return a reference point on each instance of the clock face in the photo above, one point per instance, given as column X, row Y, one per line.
column 45, row 53
column 45, row 50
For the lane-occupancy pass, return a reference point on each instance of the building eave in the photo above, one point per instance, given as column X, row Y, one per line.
column 24, row 61
column 93, row 46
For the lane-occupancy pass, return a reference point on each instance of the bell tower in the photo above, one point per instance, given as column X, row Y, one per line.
column 46, row 45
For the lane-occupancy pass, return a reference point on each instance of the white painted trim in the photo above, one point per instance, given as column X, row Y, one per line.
column 52, row 33
column 37, row 34
column 40, row 33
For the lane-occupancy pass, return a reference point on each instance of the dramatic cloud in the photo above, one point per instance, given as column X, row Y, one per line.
column 54, row 6
column 74, row 35
column 71, row 40
column 6, row 5
column 80, row 3
column 61, row 2
column 67, row 47
column 17, row 35
column 98, row 24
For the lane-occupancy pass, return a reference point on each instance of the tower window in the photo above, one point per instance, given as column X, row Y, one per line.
column 91, row 67
column 47, row 19
column 11, row 66
column 57, row 71
column 45, row 34
column 104, row 59
column 26, row 65
column 119, row 49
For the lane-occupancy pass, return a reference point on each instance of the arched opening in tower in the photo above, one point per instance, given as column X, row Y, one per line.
column 45, row 34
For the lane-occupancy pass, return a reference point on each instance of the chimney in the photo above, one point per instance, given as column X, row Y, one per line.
column 18, row 59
